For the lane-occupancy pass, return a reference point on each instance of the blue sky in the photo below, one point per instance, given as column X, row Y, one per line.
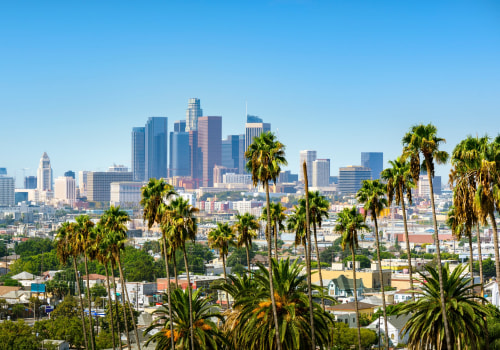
column 340, row 77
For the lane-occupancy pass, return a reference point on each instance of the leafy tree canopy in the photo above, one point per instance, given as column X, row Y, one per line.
column 364, row 261
column 34, row 246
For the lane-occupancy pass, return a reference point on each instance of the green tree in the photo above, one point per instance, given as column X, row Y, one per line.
column 400, row 182
column 17, row 335
column 423, row 139
column 344, row 338
column 277, row 217
column 238, row 256
column 349, row 223
column 206, row 333
column 34, row 246
column 265, row 157
column 364, row 262
column 372, row 195
column 465, row 312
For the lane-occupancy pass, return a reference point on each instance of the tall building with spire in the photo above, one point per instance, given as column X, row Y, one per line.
column 44, row 174
column 193, row 112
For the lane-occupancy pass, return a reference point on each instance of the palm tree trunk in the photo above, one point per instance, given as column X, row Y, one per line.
column 355, row 292
column 169, row 293
column 381, row 276
column 116, row 305
column 110, row 307
column 129, row 304
column 308, row 259
column 191, row 330
column 319, row 265
column 174, row 260
column 480, row 256
column 122, row 281
column 276, row 238
column 438, row 254
column 248, row 255
column 495, row 243
column 270, row 258
column 471, row 260
column 92, row 339
column 408, row 250
column 82, row 314
column 225, row 279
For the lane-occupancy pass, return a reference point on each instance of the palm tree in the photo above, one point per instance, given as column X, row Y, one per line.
column 83, row 243
column 465, row 312
column 349, row 223
column 459, row 230
column 251, row 320
column 319, row 210
column 277, row 217
column 400, row 182
column 265, row 157
column 153, row 199
column 221, row 238
column 372, row 195
column 113, row 220
column 65, row 249
column 423, row 139
column 183, row 228
column 206, row 333
column 246, row 227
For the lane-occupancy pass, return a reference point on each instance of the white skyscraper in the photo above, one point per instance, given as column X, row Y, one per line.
column 309, row 157
column 65, row 189
column 82, row 182
column 7, row 191
column 44, row 174
column 321, row 173
column 193, row 112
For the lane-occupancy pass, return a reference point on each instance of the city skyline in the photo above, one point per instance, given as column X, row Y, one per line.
column 337, row 78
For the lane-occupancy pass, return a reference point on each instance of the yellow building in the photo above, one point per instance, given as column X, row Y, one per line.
column 370, row 279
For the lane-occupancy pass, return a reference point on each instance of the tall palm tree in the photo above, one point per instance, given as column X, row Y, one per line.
column 246, row 227
column 277, row 217
column 400, row 182
column 153, row 198
column 423, row 139
column 251, row 323
column 349, row 223
column 183, row 228
column 372, row 195
column 319, row 210
column 466, row 313
column 113, row 220
column 206, row 333
column 65, row 250
column 83, row 244
column 266, row 156
column 104, row 256
column 221, row 238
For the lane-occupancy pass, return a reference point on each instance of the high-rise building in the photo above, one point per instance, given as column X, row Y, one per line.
column 180, row 126
column 194, row 157
column 139, row 153
column 180, row 160
column 321, row 173
column 374, row 161
column 3, row 171
column 253, row 130
column 99, row 184
column 44, row 174
column 65, row 189
column 7, row 191
column 424, row 190
column 209, row 143
column 30, row 182
column 309, row 157
column 350, row 178
column 126, row 194
column 156, row 142
column 70, row 174
column 193, row 113
column 233, row 154
column 220, row 171
column 253, row 119
column 82, row 182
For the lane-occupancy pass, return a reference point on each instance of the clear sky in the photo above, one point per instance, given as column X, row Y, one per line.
column 339, row 77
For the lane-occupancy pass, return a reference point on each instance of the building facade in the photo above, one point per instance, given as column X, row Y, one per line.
column 7, row 191
column 233, row 153
column 193, row 112
column 209, row 143
column 139, row 153
column 82, row 182
column 156, row 152
column 374, row 161
column 350, row 178
column 180, row 159
column 321, row 173
column 44, row 174
column 309, row 157
column 126, row 194
column 253, row 130
column 99, row 184
column 30, row 182
column 65, row 190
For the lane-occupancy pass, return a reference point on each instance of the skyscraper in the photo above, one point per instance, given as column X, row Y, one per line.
column 321, row 173
column 309, row 157
column 70, row 173
column 156, row 148
column 3, row 171
column 193, row 112
column 180, row 159
column 44, row 174
column 82, row 182
column 233, row 152
column 374, row 161
column 350, row 178
column 253, row 130
column 139, row 153
column 7, row 191
column 65, row 189
column 194, row 157
column 209, row 143
column 180, row 126
column 30, row 182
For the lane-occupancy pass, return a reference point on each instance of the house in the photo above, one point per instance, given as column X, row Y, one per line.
column 17, row 296
column 343, row 287
column 56, row 344
column 395, row 326
column 348, row 310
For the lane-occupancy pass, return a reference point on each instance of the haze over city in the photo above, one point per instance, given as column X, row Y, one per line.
column 337, row 77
